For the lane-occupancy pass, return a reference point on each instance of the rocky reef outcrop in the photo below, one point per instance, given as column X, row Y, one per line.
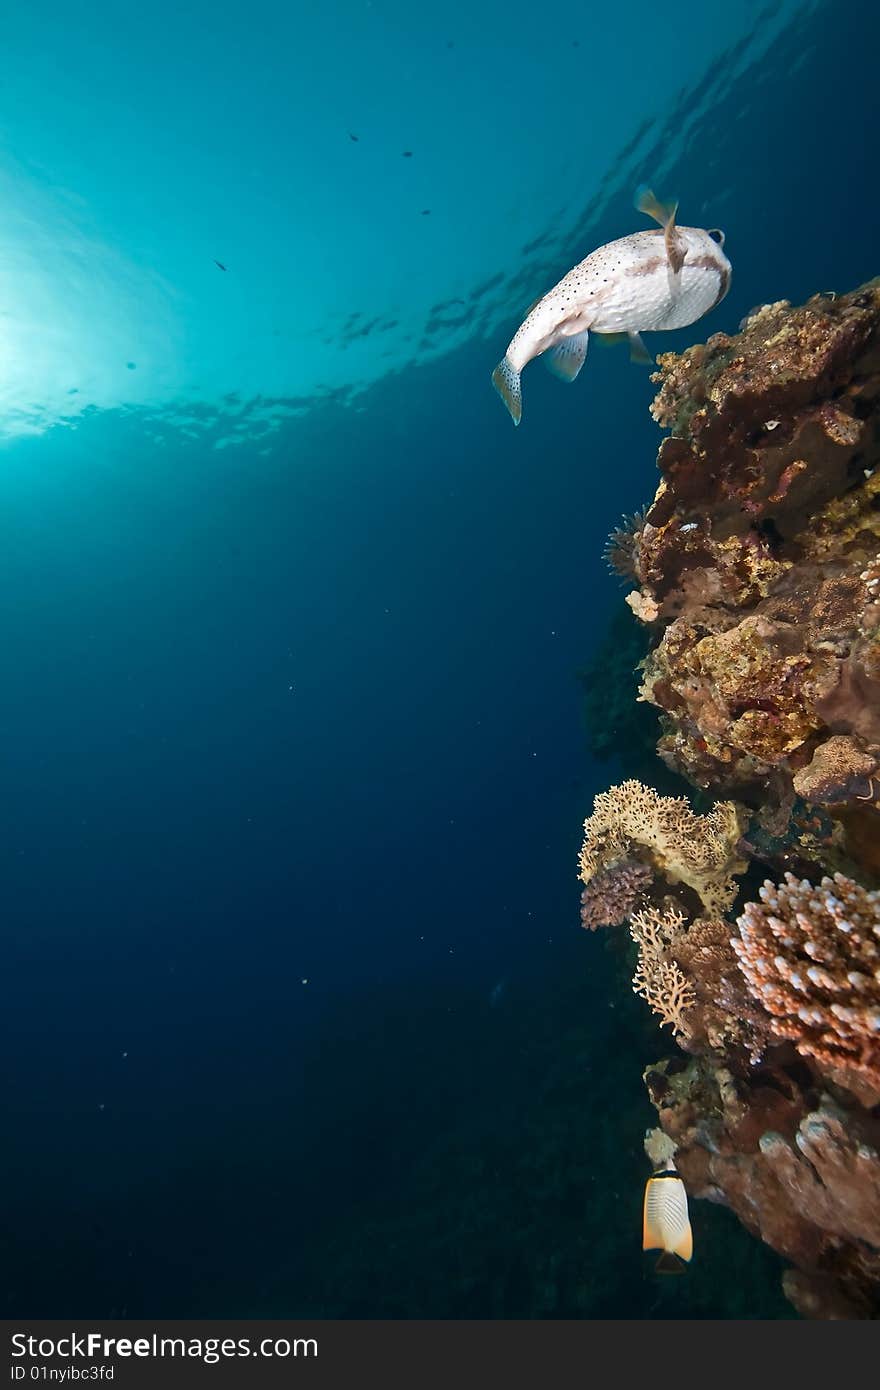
column 799, row 1169
column 758, row 574
column 758, row 563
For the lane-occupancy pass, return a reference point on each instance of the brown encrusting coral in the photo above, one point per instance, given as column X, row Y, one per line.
column 724, row 1016
column 758, row 566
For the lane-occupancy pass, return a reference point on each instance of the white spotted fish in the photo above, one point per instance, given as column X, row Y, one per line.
column 640, row 283
column 665, row 1222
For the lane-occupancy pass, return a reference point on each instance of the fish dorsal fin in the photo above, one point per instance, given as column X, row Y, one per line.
column 648, row 203
column 534, row 304
column 664, row 213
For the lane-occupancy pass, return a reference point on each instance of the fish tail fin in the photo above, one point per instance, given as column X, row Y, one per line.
column 669, row 1263
column 506, row 380
column 684, row 1246
column 648, row 203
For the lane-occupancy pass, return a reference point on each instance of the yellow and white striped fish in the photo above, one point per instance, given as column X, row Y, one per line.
column 643, row 282
column 665, row 1224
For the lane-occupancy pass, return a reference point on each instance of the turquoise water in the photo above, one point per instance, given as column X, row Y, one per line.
column 300, row 1017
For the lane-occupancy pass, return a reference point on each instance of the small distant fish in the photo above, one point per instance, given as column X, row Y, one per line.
column 497, row 992
column 665, row 1222
column 355, row 138
column 407, row 154
column 633, row 284
column 426, row 212
column 220, row 265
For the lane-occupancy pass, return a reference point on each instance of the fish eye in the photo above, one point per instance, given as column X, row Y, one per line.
column 717, row 235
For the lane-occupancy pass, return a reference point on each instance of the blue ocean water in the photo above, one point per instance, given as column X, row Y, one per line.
column 299, row 1018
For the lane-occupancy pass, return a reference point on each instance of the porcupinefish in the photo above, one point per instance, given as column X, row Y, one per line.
column 666, row 1224
column 663, row 278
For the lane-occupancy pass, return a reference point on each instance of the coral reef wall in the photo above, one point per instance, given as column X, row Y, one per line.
column 758, row 574
column 759, row 562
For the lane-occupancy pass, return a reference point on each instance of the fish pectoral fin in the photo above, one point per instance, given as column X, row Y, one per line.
column 611, row 339
column 566, row 358
column 637, row 350
column 648, row 203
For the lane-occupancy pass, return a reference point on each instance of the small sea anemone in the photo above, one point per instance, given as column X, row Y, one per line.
column 621, row 551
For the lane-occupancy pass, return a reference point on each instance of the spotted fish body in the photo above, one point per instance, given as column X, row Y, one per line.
column 648, row 281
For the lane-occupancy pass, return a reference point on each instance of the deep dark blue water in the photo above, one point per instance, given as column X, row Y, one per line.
column 298, row 1014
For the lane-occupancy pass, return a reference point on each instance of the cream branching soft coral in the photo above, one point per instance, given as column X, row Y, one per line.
column 633, row 819
column 658, row 979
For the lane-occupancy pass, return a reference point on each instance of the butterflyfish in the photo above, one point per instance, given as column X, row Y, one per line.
column 665, row 1223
